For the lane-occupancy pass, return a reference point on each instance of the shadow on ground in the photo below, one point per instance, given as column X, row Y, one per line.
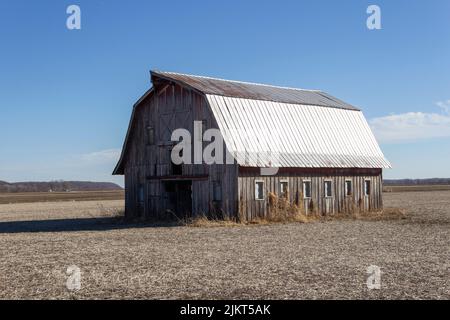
column 76, row 224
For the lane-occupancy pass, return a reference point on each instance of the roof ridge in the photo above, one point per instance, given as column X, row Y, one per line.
column 235, row 81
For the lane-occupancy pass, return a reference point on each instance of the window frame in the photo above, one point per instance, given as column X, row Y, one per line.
column 347, row 194
column 367, row 182
column 255, row 189
column 325, row 182
column 283, row 181
column 304, row 189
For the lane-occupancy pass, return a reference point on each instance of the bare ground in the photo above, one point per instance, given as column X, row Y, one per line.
column 281, row 261
column 28, row 197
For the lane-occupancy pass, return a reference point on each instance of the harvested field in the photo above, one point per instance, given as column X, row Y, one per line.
column 280, row 261
column 29, row 197
column 416, row 188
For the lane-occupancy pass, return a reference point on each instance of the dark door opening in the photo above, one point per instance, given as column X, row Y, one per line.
column 180, row 197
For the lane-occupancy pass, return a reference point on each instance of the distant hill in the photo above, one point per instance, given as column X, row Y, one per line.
column 57, row 186
column 416, row 182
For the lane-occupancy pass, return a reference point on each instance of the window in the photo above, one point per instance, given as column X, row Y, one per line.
column 328, row 192
column 306, row 189
column 259, row 190
column 348, row 187
column 177, row 169
column 284, row 188
column 150, row 135
column 217, row 191
column 367, row 187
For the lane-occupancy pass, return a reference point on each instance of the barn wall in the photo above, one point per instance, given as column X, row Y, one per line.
column 250, row 208
column 146, row 166
column 170, row 107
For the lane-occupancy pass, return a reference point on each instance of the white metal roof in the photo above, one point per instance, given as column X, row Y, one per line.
column 267, row 133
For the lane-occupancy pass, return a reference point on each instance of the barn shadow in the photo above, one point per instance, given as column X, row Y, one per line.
column 73, row 225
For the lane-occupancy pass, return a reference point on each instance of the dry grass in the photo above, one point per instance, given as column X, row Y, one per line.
column 276, row 261
column 205, row 222
column 283, row 211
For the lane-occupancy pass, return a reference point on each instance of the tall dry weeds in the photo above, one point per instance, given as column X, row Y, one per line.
column 282, row 210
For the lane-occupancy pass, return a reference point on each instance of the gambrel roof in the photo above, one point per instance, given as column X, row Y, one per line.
column 254, row 91
column 269, row 126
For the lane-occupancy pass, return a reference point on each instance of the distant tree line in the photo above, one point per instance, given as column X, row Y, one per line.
column 57, row 186
column 416, row 182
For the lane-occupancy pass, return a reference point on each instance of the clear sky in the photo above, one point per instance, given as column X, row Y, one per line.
column 66, row 95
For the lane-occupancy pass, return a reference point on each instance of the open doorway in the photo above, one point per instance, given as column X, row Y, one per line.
column 180, row 196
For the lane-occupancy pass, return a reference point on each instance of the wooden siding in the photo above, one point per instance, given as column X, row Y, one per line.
column 170, row 107
column 250, row 208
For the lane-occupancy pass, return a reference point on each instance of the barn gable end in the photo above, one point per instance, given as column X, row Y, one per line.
column 152, row 182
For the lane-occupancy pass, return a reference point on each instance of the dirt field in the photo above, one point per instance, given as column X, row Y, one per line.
column 38, row 242
column 416, row 188
column 27, row 197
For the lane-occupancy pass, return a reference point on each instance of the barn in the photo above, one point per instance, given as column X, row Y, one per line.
column 304, row 145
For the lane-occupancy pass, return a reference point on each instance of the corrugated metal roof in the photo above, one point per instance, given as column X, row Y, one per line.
column 267, row 126
column 273, row 134
column 255, row 91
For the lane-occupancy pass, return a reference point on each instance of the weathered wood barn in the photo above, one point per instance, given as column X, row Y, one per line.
column 327, row 157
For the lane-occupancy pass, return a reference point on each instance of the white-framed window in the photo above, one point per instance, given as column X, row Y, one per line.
column 259, row 190
column 348, row 188
column 367, row 187
column 283, row 188
column 306, row 189
column 328, row 188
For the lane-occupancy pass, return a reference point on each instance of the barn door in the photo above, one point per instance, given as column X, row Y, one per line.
column 184, row 198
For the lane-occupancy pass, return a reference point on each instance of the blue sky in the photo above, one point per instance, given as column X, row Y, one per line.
column 66, row 95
